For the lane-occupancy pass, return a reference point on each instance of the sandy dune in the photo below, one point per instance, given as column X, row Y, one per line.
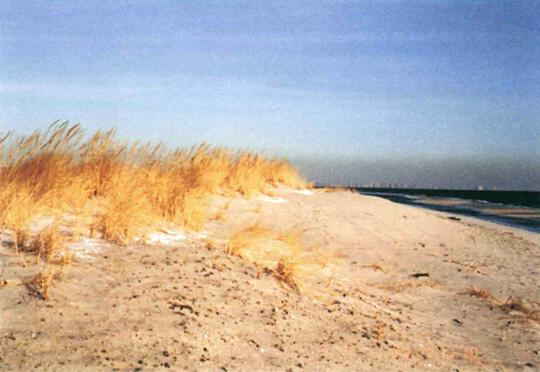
column 400, row 299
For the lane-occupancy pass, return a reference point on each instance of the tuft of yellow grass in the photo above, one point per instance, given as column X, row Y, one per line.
column 210, row 245
column 46, row 243
column 220, row 216
column 516, row 304
column 481, row 293
column 401, row 286
column 282, row 253
column 328, row 189
column 46, row 278
column 120, row 191
column 376, row 267
column 512, row 304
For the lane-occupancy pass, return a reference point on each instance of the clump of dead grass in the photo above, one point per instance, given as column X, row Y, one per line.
column 328, row 189
column 480, row 293
column 511, row 305
column 516, row 304
column 400, row 286
column 220, row 216
column 41, row 284
column 121, row 191
column 376, row 267
column 47, row 245
column 98, row 186
column 284, row 254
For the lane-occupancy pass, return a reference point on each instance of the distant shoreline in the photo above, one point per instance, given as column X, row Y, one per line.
column 508, row 197
column 520, row 209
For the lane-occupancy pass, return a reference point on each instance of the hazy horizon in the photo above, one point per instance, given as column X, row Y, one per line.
column 455, row 173
column 411, row 92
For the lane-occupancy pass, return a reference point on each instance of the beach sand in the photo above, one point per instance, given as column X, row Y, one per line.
column 444, row 202
column 513, row 212
column 400, row 299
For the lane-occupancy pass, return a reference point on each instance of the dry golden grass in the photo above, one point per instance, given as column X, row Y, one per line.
column 47, row 242
column 515, row 304
column 404, row 285
column 100, row 187
column 283, row 254
column 334, row 189
column 119, row 191
column 41, row 284
column 246, row 238
column 220, row 216
column 511, row 305
column 46, row 278
column 480, row 293
column 210, row 244
column 376, row 267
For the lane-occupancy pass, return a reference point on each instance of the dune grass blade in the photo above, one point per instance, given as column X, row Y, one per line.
column 282, row 253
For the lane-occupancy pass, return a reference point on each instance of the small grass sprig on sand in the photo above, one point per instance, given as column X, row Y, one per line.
column 400, row 286
column 511, row 305
column 46, row 243
column 376, row 267
column 481, row 293
column 282, row 253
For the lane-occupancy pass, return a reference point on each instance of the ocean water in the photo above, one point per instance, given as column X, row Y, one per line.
column 519, row 209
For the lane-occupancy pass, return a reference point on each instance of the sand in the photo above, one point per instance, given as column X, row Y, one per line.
column 400, row 299
column 515, row 212
column 443, row 202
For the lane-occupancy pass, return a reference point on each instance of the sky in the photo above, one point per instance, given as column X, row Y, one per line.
column 431, row 93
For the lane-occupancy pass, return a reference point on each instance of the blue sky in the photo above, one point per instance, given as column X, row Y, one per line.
column 347, row 81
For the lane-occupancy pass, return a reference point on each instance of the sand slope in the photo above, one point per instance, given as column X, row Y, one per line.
column 182, row 306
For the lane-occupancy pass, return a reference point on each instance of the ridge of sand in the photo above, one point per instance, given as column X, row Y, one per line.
column 176, row 305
